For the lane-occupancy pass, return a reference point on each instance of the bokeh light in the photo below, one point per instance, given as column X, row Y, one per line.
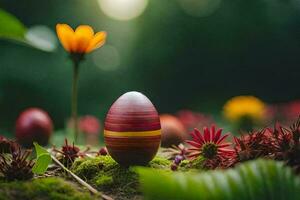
column 41, row 37
column 107, row 59
column 123, row 9
column 199, row 8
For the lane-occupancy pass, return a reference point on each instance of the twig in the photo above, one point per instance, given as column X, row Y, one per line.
column 82, row 182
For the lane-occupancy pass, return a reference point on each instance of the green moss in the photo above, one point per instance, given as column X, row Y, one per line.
column 185, row 165
column 197, row 163
column 108, row 176
column 103, row 180
column 160, row 163
column 43, row 188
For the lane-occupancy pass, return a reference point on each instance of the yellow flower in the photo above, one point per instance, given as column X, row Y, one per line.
column 244, row 106
column 78, row 43
column 82, row 40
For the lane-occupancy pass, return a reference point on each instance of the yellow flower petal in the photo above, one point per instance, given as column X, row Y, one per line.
column 97, row 41
column 65, row 34
column 83, row 35
column 244, row 106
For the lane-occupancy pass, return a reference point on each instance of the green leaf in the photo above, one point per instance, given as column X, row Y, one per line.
column 39, row 37
column 11, row 27
column 40, row 150
column 254, row 180
column 42, row 161
column 41, row 164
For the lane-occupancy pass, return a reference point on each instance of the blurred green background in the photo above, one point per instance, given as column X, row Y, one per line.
column 182, row 54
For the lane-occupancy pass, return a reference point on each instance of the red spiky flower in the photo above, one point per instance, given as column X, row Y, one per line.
column 287, row 145
column 282, row 139
column 16, row 165
column 7, row 146
column 68, row 153
column 253, row 145
column 210, row 145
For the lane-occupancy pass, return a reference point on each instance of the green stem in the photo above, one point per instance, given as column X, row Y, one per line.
column 74, row 99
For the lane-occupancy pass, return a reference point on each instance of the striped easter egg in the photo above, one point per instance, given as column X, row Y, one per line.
column 132, row 131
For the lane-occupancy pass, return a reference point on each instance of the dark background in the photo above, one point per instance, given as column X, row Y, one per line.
column 176, row 59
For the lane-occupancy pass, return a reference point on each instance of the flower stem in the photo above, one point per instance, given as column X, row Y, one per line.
column 74, row 98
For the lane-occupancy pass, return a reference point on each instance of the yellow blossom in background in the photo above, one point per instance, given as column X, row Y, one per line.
column 79, row 42
column 244, row 106
column 82, row 40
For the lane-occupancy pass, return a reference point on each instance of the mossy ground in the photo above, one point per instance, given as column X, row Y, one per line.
column 42, row 189
column 108, row 176
column 196, row 164
column 102, row 172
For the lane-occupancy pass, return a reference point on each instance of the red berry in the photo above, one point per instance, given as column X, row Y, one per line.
column 103, row 151
column 33, row 125
column 174, row 167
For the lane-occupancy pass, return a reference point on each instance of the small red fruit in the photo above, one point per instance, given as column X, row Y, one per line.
column 103, row 151
column 172, row 130
column 33, row 125
column 174, row 167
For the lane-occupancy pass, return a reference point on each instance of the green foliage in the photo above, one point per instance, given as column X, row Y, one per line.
column 197, row 163
column 42, row 161
column 160, row 163
column 44, row 188
column 254, row 180
column 109, row 177
column 87, row 168
column 104, row 173
column 39, row 37
column 11, row 27
column 185, row 165
column 103, row 180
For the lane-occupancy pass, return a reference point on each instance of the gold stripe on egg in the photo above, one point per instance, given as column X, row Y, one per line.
column 131, row 133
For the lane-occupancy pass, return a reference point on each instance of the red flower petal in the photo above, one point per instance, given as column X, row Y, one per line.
column 213, row 131
column 223, row 150
column 206, row 134
column 193, row 143
column 198, row 133
column 218, row 134
column 193, row 148
column 196, row 138
column 222, row 138
column 224, row 145
column 194, row 155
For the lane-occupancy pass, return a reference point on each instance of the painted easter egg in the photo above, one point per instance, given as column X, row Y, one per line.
column 172, row 130
column 132, row 130
column 33, row 125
